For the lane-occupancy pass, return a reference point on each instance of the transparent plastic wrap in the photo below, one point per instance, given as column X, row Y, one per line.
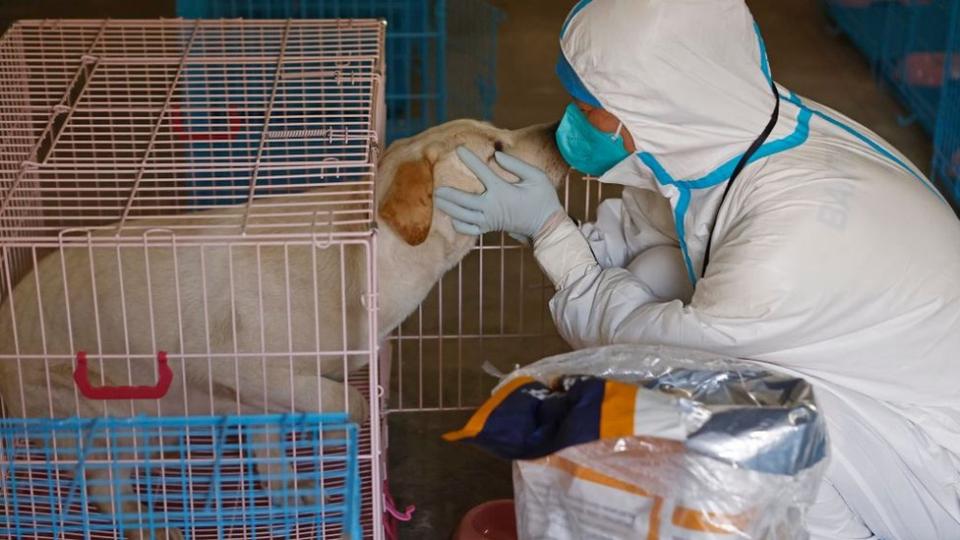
column 719, row 448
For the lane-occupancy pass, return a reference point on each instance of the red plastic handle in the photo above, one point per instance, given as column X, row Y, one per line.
column 156, row 391
column 233, row 124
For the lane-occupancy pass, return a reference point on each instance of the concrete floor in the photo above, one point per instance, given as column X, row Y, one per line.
column 445, row 480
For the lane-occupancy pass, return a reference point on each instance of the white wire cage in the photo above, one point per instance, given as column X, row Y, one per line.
column 169, row 190
column 486, row 317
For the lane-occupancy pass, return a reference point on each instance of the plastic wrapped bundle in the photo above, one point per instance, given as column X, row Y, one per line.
column 652, row 442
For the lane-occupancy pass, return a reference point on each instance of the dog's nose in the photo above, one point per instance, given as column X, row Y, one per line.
column 552, row 128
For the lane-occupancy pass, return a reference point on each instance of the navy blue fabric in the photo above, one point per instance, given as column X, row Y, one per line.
column 572, row 83
column 535, row 420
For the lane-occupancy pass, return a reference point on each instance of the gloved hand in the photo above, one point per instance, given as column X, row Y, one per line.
column 520, row 209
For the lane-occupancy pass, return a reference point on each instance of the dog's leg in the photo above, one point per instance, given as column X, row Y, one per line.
column 161, row 534
column 107, row 486
column 275, row 467
column 358, row 412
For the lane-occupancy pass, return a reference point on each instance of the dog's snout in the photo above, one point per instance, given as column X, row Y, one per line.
column 552, row 128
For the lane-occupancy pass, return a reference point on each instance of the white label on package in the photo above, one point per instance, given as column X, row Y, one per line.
column 558, row 505
column 557, row 499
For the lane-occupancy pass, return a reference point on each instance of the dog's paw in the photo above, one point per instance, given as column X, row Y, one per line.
column 161, row 534
column 359, row 409
column 285, row 500
column 286, row 494
column 343, row 397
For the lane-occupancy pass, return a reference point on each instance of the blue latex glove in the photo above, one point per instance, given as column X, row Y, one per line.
column 520, row 209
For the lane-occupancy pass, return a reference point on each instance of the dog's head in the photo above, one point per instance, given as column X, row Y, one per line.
column 412, row 168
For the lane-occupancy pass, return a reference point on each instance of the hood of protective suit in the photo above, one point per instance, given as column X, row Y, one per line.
column 688, row 78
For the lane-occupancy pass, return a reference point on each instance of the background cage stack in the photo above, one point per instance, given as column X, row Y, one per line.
column 914, row 47
column 105, row 129
column 441, row 56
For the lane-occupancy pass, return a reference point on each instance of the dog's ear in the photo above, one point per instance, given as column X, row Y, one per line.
column 408, row 204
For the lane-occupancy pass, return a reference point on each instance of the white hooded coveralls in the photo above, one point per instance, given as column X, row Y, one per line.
column 832, row 258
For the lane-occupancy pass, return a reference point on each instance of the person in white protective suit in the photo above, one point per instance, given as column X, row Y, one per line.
column 758, row 224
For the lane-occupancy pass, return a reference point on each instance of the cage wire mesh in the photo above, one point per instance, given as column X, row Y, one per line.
column 201, row 476
column 912, row 44
column 119, row 300
column 486, row 316
column 470, row 87
column 865, row 22
column 946, row 157
column 913, row 59
column 440, row 54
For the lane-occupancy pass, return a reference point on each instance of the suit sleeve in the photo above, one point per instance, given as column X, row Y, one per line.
column 629, row 226
column 594, row 306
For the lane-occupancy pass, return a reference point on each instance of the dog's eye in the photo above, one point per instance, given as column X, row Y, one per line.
column 498, row 146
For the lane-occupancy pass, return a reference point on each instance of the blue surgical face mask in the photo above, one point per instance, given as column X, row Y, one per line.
column 585, row 147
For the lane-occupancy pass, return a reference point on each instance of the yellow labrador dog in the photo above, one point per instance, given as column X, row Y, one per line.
column 245, row 323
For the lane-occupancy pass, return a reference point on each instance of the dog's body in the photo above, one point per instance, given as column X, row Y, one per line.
column 253, row 329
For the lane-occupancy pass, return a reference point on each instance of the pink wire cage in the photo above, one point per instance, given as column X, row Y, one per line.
column 113, row 134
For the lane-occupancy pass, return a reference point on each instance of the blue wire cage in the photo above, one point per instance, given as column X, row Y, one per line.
column 946, row 152
column 913, row 47
column 440, row 56
column 252, row 128
column 904, row 41
column 864, row 22
column 268, row 476
column 913, row 58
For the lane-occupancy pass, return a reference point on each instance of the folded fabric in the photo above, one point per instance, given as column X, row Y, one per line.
column 527, row 419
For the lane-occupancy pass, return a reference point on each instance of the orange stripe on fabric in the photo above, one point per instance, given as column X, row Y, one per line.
column 695, row 520
column 654, row 532
column 477, row 421
column 616, row 412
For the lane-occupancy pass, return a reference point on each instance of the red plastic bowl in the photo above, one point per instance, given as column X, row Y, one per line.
column 492, row 520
